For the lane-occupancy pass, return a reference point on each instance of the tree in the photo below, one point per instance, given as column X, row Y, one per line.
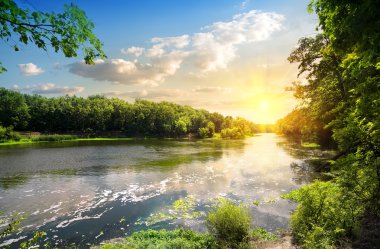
column 67, row 32
column 342, row 91
column 13, row 109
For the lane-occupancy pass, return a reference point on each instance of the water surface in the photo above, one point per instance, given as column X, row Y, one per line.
column 85, row 192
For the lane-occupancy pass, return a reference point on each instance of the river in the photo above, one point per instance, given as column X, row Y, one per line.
column 84, row 192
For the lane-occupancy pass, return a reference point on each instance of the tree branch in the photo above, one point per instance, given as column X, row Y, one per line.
column 40, row 26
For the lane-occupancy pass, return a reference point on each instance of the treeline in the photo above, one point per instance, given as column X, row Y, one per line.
column 340, row 100
column 299, row 124
column 97, row 114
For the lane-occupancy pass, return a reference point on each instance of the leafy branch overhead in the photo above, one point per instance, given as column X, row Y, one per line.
column 68, row 32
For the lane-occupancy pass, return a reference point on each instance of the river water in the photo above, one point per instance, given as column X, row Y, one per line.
column 85, row 192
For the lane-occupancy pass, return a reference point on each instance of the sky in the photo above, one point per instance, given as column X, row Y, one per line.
column 227, row 56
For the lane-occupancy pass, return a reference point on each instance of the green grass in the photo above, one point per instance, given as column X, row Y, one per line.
column 262, row 234
column 54, row 138
column 104, row 139
column 181, row 239
column 13, row 142
column 178, row 238
column 310, row 145
column 58, row 138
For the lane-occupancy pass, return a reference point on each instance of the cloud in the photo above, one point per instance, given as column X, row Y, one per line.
column 212, row 89
column 136, row 51
column 210, row 50
column 57, row 66
column 161, row 94
column 216, row 48
column 155, row 52
column 30, row 69
column 217, row 45
column 120, row 71
column 175, row 41
column 50, row 88
column 244, row 4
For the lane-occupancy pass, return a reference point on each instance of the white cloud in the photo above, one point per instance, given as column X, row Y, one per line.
column 244, row 4
column 216, row 48
column 212, row 89
column 175, row 41
column 136, row 51
column 30, row 69
column 50, row 88
column 210, row 50
column 126, row 72
column 155, row 51
column 159, row 94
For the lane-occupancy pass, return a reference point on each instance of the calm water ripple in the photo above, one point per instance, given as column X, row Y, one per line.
column 85, row 192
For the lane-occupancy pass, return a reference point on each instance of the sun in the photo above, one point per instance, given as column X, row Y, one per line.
column 265, row 108
column 264, row 105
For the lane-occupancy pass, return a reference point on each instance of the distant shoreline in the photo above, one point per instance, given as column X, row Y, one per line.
column 31, row 141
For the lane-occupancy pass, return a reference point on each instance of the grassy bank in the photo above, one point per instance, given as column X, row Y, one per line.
column 65, row 138
column 187, row 239
column 228, row 224
column 57, row 138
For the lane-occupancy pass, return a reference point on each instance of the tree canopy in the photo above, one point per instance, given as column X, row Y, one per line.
column 341, row 94
column 98, row 114
column 67, row 32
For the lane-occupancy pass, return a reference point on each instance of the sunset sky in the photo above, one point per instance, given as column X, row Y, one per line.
column 226, row 56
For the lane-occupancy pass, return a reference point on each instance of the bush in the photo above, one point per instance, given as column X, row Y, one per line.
column 203, row 132
column 207, row 131
column 232, row 133
column 7, row 133
column 178, row 238
column 53, row 138
column 325, row 215
column 229, row 223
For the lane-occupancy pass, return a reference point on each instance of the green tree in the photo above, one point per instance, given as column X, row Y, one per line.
column 342, row 91
column 180, row 125
column 67, row 32
column 13, row 109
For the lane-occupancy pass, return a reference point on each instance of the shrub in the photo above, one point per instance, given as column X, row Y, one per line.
column 7, row 133
column 229, row 223
column 52, row 138
column 325, row 214
column 207, row 131
column 232, row 133
column 203, row 132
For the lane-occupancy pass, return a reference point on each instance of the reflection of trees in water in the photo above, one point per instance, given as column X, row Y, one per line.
column 312, row 155
column 310, row 159
column 148, row 155
column 303, row 172
column 8, row 182
column 172, row 154
column 172, row 161
column 296, row 150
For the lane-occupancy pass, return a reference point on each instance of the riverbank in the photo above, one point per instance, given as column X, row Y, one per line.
column 30, row 141
column 190, row 239
column 73, row 138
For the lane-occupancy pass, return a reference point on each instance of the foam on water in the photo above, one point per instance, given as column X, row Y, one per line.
column 11, row 241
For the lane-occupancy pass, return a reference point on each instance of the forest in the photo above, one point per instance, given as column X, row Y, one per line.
column 339, row 95
column 98, row 115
